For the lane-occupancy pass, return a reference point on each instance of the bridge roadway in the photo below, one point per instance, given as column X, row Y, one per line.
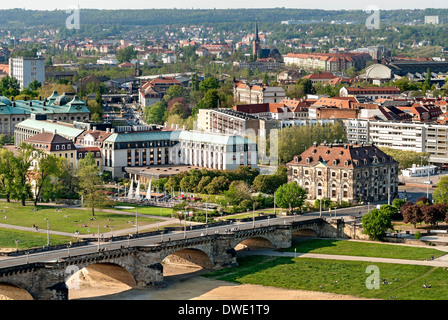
column 54, row 255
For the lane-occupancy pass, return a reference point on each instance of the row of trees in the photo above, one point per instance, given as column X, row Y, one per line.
column 294, row 140
column 34, row 174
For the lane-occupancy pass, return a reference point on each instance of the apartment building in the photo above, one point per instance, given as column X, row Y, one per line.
column 398, row 135
column 26, row 70
column 331, row 62
column 370, row 93
column 257, row 93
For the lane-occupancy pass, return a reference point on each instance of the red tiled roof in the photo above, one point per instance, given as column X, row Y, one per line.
column 346, row 156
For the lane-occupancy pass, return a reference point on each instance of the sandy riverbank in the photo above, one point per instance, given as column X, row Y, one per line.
column 196, row 287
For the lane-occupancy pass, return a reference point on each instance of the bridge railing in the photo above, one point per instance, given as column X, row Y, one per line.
column 45, row 249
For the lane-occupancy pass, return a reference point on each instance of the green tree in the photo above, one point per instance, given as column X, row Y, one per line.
column 155, row 114
column 209, row 84
column 440, row 194
column 90, row 183
column 376, row 223
column 21, row 189
column 290, row 196
column 6, row 174
column 126, row 54
column 48, row 166
column 9, row 86
column 270, row 183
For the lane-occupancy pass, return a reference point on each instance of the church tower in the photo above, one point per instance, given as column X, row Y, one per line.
column 256, row 43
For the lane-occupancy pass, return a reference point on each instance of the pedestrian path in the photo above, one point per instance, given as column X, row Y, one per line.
column 273, row 252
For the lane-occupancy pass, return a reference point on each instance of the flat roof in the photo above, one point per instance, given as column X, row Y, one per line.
column 160, row 171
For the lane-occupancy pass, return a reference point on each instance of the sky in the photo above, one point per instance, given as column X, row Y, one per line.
column 210, row 4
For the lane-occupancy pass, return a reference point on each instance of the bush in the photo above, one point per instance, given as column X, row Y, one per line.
column 417, row 235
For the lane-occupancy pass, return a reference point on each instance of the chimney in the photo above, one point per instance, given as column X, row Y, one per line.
column 55, row 131
column 112, row 130
column 94, row 129
column 107, row 129
column 42, row 130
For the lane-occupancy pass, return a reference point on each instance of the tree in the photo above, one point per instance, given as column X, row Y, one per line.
column 154, row 114
column 433, row 213
column 21, row 189
column 6, row 174
column 48, row 166
column 376, row 223
column 398, row 203
column 412, row 214
column 9, row 86
column 392, row 211
column 218, row 185
column 270, row 183
column 238, row 192
column 440, row 194
column 208, row 84
column 90, row 183
column 290, row 196
column 126, row 54
column 175, row 92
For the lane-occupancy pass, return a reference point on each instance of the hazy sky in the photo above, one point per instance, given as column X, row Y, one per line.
column 206, row 4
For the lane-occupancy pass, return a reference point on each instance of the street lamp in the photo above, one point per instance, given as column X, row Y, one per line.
column 48, row 232
column 136, row 221
column 17, row 244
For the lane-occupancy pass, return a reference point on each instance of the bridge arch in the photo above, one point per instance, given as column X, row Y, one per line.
column 97, row 279
column 256, row 242
column 185, row 259
column 9, row 291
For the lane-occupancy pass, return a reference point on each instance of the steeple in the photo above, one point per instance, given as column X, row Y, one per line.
column 256, row 31
column 256, row 42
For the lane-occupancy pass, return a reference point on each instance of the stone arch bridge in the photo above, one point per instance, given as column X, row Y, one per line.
column 47, row 280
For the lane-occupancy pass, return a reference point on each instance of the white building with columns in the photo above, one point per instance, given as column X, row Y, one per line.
column 213, row 150
column 180, row 147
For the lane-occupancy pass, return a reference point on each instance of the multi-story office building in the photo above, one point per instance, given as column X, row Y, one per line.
column 26, row 70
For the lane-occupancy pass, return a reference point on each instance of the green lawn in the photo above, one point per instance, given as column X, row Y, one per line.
column 364, row 249
column 67, row 219
column 29, row 239
column 402, row 282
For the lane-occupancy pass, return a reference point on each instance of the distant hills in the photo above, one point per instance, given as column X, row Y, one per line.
column 149, row 17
